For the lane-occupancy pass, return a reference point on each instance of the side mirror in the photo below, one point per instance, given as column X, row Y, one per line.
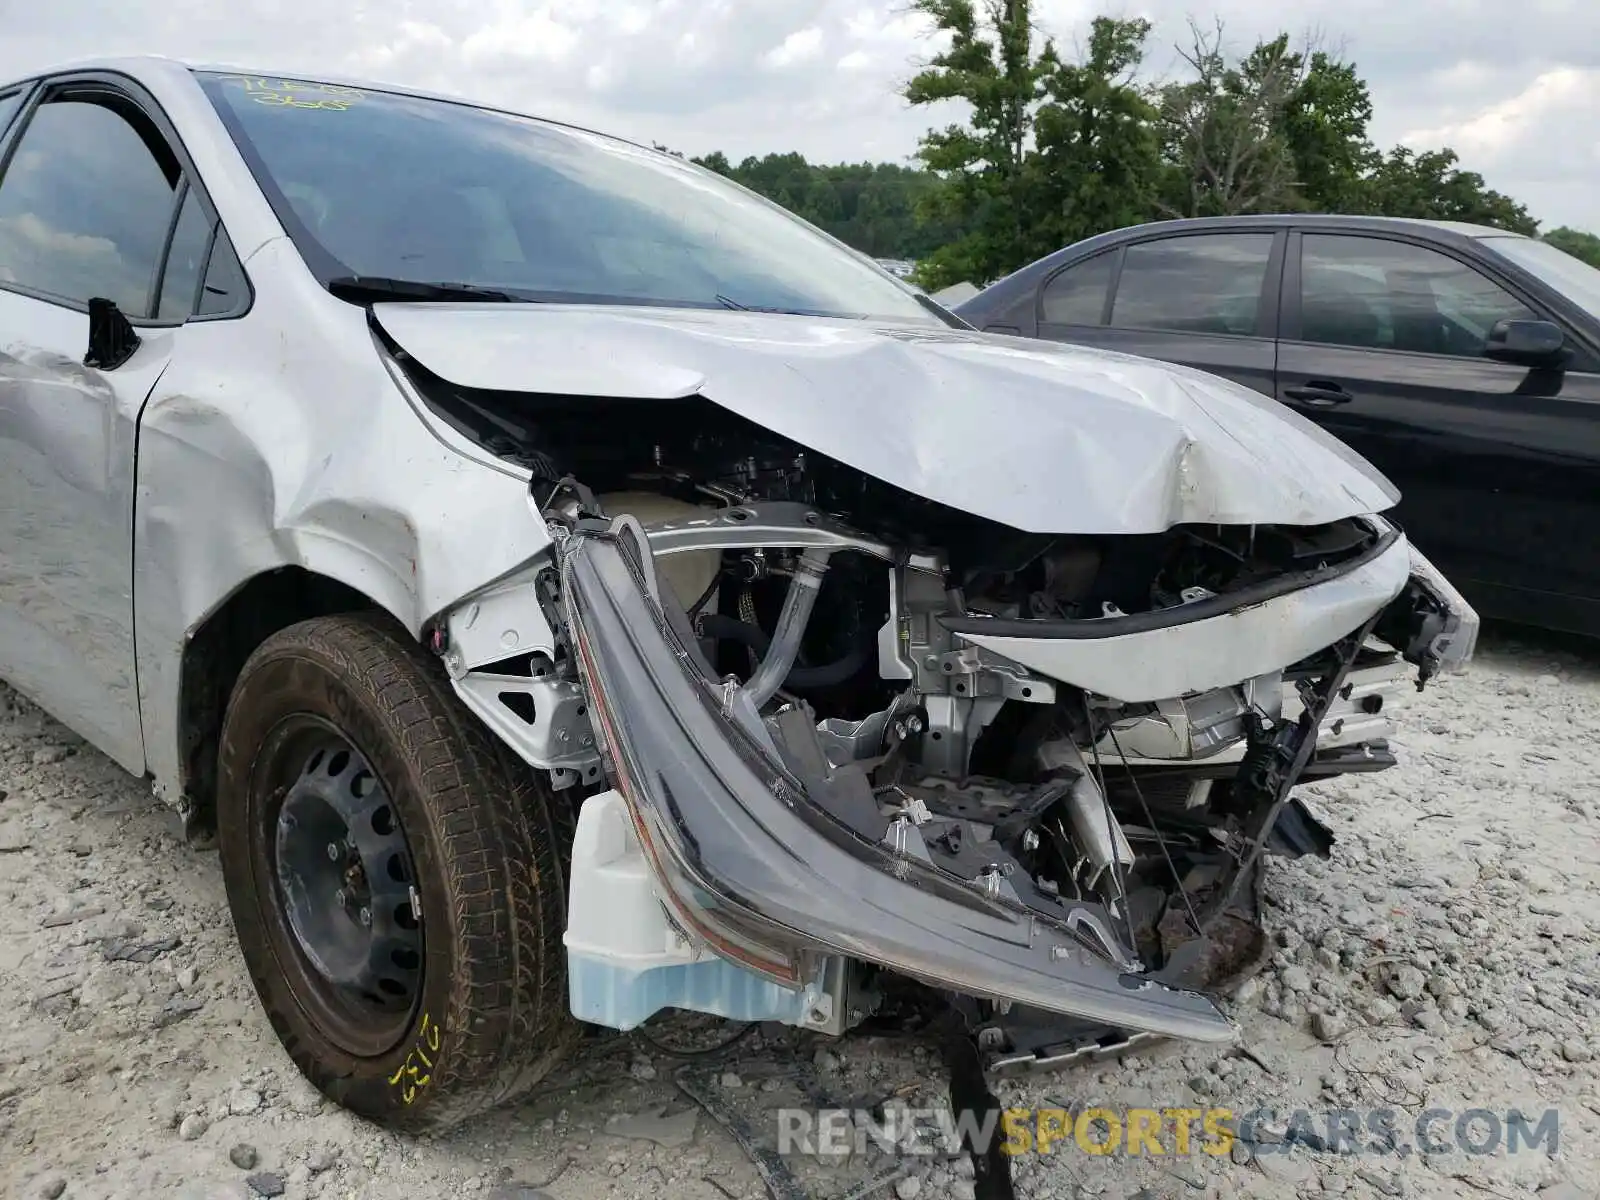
column 1531, row 343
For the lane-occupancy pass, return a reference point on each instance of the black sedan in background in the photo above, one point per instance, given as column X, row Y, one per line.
column 1462, row 361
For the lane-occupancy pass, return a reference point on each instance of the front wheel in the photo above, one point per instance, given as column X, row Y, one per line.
column 397, row 881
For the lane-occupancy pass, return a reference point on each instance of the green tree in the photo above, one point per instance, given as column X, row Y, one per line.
column 872, row 207
column 1325, row 126
column 1053, row 151
column 716, row 161
column 1577, row 243
column 990, row 64
column 1428, row 184
column 1098, row 161
column 1223, row 131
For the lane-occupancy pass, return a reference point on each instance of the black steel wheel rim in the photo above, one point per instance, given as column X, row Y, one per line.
column 342, row 877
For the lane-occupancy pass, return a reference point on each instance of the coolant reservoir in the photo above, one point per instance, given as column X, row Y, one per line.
column 689, row 574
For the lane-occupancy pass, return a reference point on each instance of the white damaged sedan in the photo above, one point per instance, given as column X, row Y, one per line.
column 571, row 587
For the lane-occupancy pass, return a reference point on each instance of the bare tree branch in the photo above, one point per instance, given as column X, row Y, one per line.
column 1223, row 126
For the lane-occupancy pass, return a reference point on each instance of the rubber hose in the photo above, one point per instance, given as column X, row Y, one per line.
column 715, row 625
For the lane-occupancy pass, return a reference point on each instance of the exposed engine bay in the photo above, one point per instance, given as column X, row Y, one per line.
column 1016, row 782
column 1039, row 719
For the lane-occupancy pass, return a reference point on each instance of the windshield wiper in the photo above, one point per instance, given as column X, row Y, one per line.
column 730, row 302
column 953, row 319
column 368, row 289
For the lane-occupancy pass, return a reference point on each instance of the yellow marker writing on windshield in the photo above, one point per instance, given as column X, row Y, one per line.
column 293, row 93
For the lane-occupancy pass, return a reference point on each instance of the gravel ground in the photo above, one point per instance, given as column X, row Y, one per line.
column 1448, row 956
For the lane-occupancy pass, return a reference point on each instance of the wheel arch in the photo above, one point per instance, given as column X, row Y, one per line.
column 280, row 477
column 216, row 651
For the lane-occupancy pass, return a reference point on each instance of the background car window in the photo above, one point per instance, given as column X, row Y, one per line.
column 1386, row 295
column 1203, row 284
column 191, row 238
column 1575, row 279
column 85, row 205
column 8, row 108
column 1077, row 296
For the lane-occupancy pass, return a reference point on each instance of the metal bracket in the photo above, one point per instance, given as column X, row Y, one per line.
column 541, row 716
column 548, row 729
column 501, row 622
column 835, row 1001
column 773, row 525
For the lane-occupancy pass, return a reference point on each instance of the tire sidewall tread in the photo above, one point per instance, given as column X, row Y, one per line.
column 489, row 846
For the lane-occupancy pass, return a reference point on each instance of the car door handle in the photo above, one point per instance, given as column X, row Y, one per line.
column 1319, row 394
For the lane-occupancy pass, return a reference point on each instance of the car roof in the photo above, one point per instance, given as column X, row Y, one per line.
column 1278, row 220
column 139, row 66
column 1446, row 232
column 146, row 68
column 142, row 68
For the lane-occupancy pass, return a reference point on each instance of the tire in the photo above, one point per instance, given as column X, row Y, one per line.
column 479, row 1012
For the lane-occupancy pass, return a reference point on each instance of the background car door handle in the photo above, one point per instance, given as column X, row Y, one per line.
column 1319, row 394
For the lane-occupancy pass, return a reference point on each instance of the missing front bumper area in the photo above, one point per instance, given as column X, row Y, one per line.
column 754, row 861
column 756, row 868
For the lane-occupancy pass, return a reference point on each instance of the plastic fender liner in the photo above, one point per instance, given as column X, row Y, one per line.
column 766, row 877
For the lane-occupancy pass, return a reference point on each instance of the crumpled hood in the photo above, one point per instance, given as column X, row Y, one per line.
column 1042, row 437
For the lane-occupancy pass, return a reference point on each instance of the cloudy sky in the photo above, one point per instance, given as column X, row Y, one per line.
column 1515, row 88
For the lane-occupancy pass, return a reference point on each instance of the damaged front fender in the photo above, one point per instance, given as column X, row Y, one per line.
column 750, row 865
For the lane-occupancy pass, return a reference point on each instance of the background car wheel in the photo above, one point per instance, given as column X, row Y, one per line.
column 396, row 879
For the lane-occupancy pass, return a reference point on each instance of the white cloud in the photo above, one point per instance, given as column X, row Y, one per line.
column 633, row 19
column 411, row 36
column 1516, row 95
column 887, row 24
column 1556, row 99
column 801, row 46
column 530, row 37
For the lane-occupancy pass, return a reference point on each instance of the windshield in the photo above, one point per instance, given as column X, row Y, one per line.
column 377, row 184
column 1572, row 277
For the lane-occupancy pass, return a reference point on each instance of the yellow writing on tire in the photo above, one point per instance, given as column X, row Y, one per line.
column 417, row 1070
